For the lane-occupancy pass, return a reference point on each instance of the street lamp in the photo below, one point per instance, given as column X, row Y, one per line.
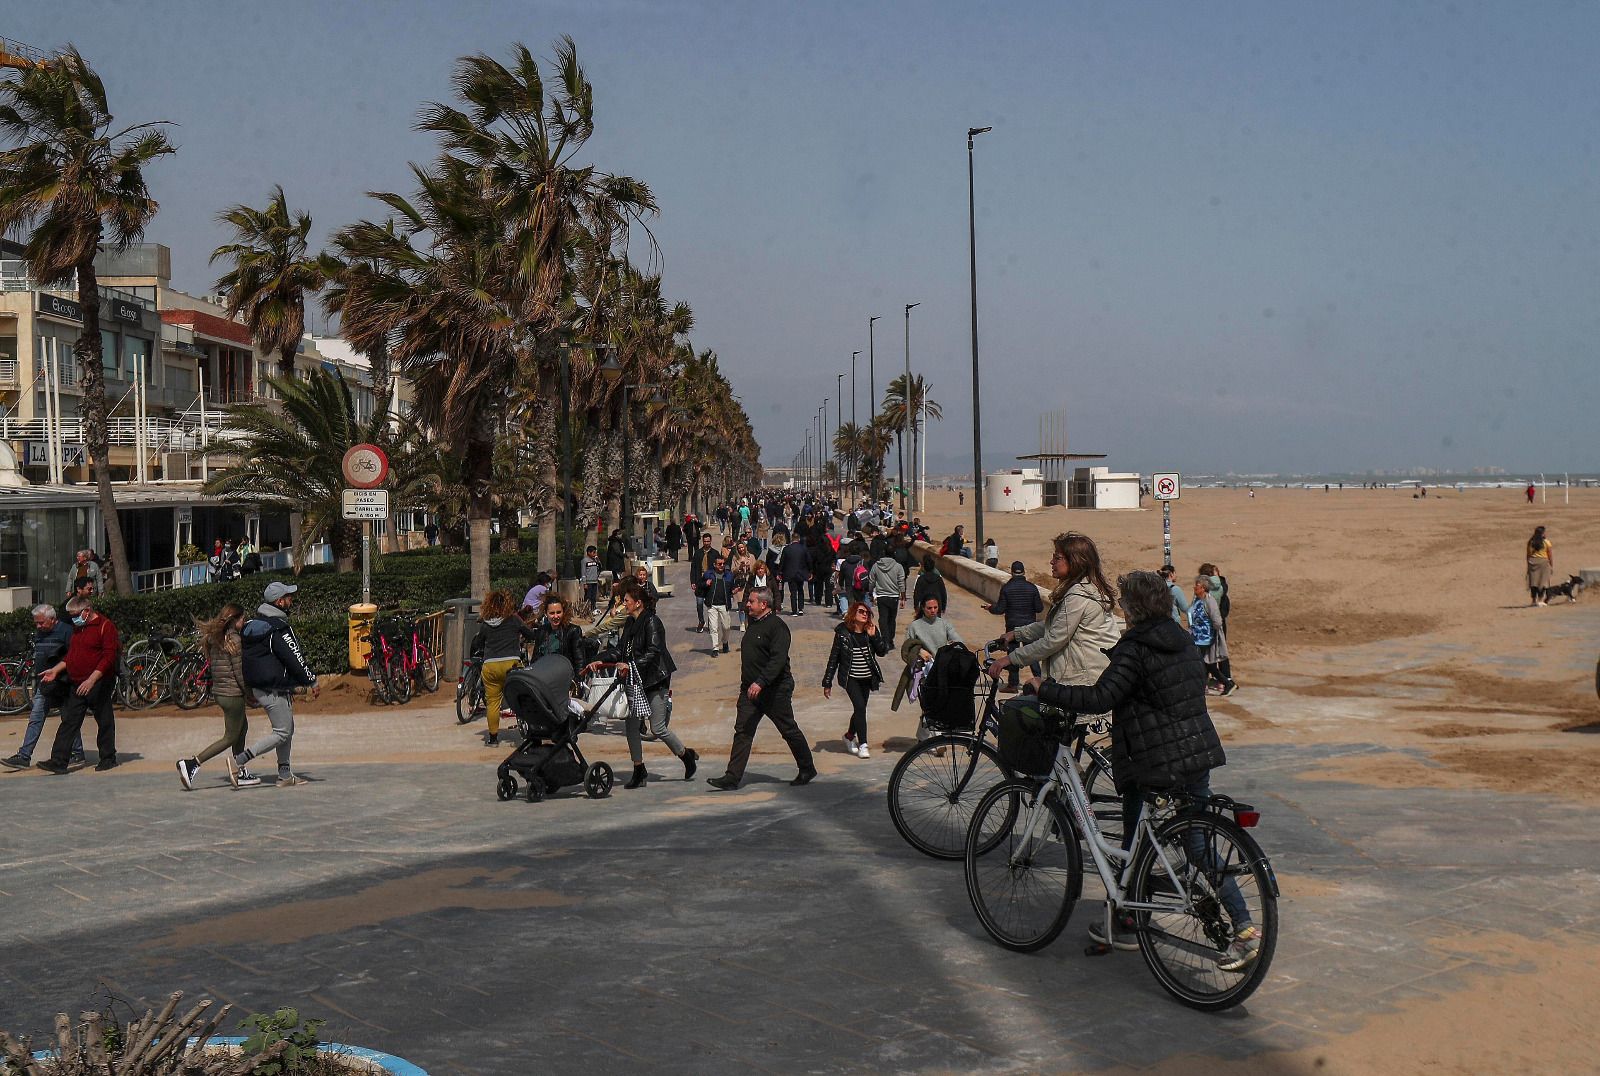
column 905, row 438
column 838, row 420
column 977, row 435
column 853, row 453
column 872, row 390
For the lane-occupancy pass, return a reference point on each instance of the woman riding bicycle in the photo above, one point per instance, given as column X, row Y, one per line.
column 1162, row 737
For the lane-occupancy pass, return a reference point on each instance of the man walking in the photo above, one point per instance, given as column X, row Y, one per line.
column 1020, row 604
column 86, row 672
column 795, row 566
column 887, row 584
column 51, row 637
column 717, row 588
column 700, row 562
column 766, row 689
column 84, row 567
column 275, row 668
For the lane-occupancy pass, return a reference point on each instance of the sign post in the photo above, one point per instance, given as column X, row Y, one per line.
column 365, row 467
column 1166, row 487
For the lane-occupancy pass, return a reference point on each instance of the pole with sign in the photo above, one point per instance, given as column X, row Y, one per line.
column 365, row 468
column 1166, row 487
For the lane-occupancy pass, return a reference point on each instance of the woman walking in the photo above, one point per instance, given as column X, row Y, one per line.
column 1205, row 625
column 1541, row 567
column 857, row 646
column 1070, row 642
column 930, row 584
column 501, row 633
column 220, row 639
column 642, row 653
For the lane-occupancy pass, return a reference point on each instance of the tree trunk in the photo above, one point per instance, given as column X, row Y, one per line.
column 91, row 377
column 286, row 360
column 549, row 527
column 478, row 539
column 510, row 529
column 479, row 459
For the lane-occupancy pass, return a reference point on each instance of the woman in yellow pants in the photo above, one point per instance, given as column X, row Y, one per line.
column 499, row 643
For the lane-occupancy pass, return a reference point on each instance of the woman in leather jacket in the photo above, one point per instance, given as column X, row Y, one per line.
column 556, row 634
column 642, row 652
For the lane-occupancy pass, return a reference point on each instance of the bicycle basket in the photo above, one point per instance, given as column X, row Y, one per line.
column 1027, row 737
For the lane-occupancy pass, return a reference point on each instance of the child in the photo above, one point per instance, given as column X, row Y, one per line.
column 591, row 576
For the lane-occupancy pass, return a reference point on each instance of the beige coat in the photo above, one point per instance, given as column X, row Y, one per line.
column 1070, row 641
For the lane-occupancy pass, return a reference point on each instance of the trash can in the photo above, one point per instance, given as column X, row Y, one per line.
column 361, row 617
column 460, row 624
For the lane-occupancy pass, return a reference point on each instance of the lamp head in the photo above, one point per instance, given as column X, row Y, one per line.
column 978, row 131
column 611, row 369
column 911, row 306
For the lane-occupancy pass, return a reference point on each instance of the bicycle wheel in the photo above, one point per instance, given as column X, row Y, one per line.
column 1229, row 885
column 380, row 682
column 398, row 679
column 1023, row 886
column 427, row 670
column 469, row 696
column 16, row 688
column 189, row 685
column 931, row 797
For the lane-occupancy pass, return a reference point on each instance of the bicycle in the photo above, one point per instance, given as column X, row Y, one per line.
column 385, row 667
column 935, row 786
column 189, row 683
column 417, row 660
column 469, row 691
column 17, row 678
column 1189, row 885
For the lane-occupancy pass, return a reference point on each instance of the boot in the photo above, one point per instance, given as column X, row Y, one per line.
column 640, row 777
column 690, row 759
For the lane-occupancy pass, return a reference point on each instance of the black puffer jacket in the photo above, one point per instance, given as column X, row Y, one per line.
column 643, row 646
column 1161, row 734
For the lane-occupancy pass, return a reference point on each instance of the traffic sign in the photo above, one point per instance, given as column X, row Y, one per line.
column 365, row 466
column 1167, row 486
column 365, row 504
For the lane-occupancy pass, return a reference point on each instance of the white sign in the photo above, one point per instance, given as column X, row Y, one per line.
column 184, row 514
column 1167, row 486
column 366, row 504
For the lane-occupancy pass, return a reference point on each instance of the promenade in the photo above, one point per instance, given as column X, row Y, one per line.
column 772, row 929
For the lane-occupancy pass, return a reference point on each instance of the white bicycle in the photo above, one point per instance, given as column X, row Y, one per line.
column 1193, row 887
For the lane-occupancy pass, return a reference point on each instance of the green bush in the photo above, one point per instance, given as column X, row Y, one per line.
column 284, row 1025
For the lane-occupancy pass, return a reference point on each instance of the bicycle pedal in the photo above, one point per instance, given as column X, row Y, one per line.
column 1098, row 949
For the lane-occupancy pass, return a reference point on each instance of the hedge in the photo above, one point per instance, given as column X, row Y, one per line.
column 406, row 581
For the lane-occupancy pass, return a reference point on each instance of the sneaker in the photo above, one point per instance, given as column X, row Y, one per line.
column 17, row 762
column 1243, row 952
column 77, row 758
column 105, row 764
column 804, row 777
column 289, row 781
column 50, row 765
column 492, row 740
column 1121, row 938
column 247, row 779
column 862, row 752
column 234, row 770
column 1214, row 689
column 187, row 768
column 1230, row 688
column 850, row 744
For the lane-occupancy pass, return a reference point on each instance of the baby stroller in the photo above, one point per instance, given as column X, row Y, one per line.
column 948, row 690
column 548, row 757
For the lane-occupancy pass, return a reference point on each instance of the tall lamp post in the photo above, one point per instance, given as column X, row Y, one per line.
column 905, row 437
column 872, row 392
column 838, row 420
column 977, row 435
column 822, row 446
column 854, row 454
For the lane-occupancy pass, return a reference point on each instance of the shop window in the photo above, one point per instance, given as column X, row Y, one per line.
column 136, row 352
column 110, row 356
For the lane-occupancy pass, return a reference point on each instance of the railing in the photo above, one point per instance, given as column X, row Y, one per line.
column 188, row 575
column 14, row 276
column 430, row 627
column 163, row 434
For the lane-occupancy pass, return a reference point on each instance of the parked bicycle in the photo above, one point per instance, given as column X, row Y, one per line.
column 385, row 666
column 18, row 681
column 417, row 661
column 189, row 683
column 469, row 691
column 1193, row 886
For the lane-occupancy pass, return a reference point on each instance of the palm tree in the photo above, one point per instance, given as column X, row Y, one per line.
column 894, row 408
column 290, row 458
column 79, row 186
column 273, row 268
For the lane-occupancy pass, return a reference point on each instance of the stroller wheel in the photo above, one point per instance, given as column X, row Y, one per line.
column 597, row 782
column 506, row 789
column 535, row 790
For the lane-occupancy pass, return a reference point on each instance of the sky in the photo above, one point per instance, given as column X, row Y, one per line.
column 1249, row 237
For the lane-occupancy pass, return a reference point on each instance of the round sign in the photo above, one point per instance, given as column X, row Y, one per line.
column 365, row 466
column 1166, row 486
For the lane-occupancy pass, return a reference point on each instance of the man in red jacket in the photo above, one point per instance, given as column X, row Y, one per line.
column 89, row 672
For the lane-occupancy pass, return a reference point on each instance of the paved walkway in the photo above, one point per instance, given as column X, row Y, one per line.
column 771, row 929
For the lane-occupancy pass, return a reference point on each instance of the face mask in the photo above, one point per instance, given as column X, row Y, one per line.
column 79, row 621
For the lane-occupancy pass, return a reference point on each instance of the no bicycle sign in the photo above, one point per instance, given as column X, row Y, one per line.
column 1166, row 486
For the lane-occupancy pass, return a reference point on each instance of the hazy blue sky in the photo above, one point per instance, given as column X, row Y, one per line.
column 1242, row 236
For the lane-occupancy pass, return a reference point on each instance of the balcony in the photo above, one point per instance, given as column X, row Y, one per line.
column 8, row 374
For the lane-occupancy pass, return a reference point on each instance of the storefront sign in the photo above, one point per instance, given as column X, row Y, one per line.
column 56, row 306
column 122, row 310
column 37, row 454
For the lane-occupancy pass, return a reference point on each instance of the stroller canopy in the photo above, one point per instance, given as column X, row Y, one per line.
column 538, row 694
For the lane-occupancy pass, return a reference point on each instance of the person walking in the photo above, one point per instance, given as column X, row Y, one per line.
column 700, row 563
column 498, row 642
column 1180, row 600
column 886, row 583
column 1071, row 641
column 1541, row 567
column 1219, row 591
column 766, row 689
column 223, row 645
column 1529, row 491
column 930, row 584
column 819, row 554
column 642, row 653
column 51, row 638
column 86, row 673
column 557, row 634
column 275, row 670
column 1019, row 602
column 616, row 554
column 795, row 568
column 84, row 567
column 249, row 556
column 718, row 585
column 674, row 539
column 1205, row 626
column 857, row 646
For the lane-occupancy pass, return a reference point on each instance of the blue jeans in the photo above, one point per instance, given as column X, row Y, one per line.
column 30, row 738
column 1199, row 855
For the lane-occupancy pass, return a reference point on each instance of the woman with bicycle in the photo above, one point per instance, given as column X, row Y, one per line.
column 1162, row 737
column 501, row 634
column 642, row 653
column 857, row 646
column 1070, row 642
column 224, row 648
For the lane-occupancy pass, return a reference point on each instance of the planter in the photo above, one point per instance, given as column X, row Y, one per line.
column 372, row 1061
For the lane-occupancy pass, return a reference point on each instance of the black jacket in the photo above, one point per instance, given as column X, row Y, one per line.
column 821, row 557
column 844, row 641
column 674, row 536
column 616, row 556
column 764, row 653
column 1161, row 734
column 930, row 585
column 1019, row 602
column 795, row 563
column 643, row 646
column 566, row 641
column 500, row 637
column 272, row 657
column 699, row 564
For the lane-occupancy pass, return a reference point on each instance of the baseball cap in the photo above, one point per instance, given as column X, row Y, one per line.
column 276, row 590
column 1017, row 568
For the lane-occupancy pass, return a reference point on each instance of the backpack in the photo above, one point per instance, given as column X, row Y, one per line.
column 858, row 577
column 946, row 694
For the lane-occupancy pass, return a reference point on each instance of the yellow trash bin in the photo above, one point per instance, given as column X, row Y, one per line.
column 361, row 617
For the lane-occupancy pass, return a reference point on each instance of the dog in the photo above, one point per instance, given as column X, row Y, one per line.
column 1570, row 589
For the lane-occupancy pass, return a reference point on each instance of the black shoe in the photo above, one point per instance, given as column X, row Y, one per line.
column 50, row 765
column 724, row 648
column 17, row 762
column 804, row 777
column 690, row 759
column 640, row 778
column 492, row 740
column 701, row 629
column 106, row 764
column 78, row 758
column 725, row 783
